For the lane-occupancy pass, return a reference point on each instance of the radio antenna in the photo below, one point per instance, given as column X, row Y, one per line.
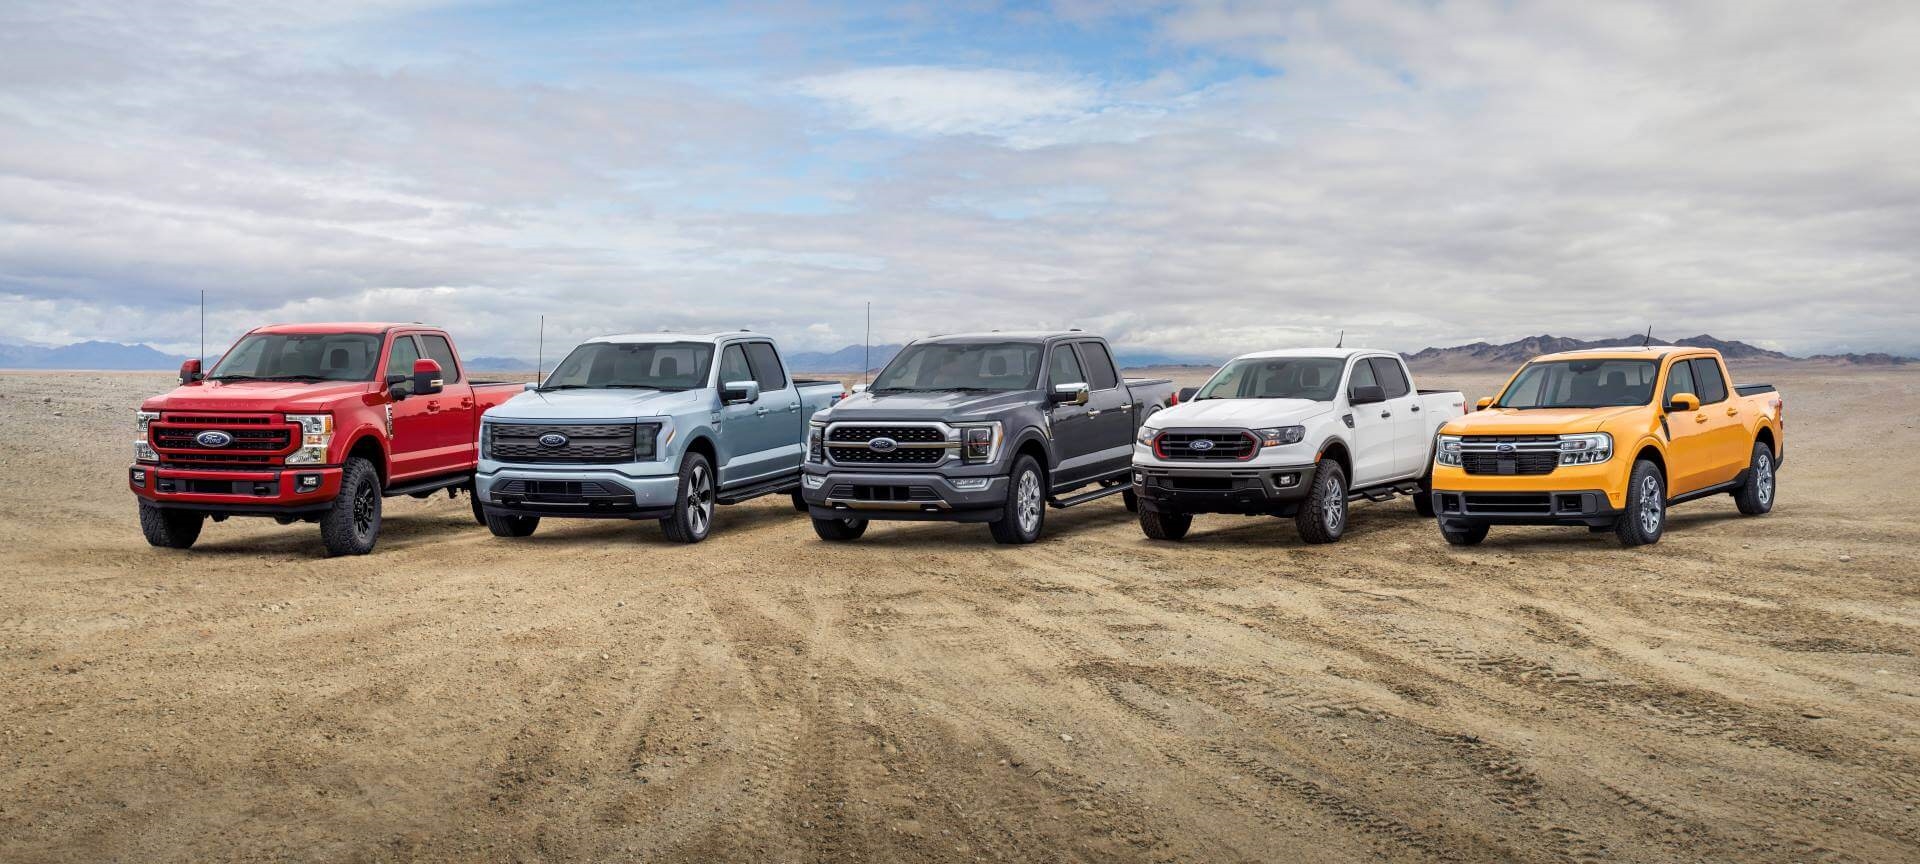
column 866, row 347
column 540, row 351
column 1647, row 339
column 203, row 327
column 1342, row 343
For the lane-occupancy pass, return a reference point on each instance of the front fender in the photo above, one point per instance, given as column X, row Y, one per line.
column 1032, row 434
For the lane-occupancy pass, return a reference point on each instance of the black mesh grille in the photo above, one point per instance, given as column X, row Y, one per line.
column 1525, row 454
column 863, row 434
column 606, row 443
column 183, row 438
column 1510, row 503
column 904, row 456
column 899, row 434
column 1225, row 446
column 852, row 492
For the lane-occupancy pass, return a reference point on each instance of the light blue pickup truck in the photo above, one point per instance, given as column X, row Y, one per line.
column 648, row 426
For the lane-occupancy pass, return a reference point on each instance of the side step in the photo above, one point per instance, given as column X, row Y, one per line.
column 770, row 487
column 1084, row 497
column 1378, row 494
column 433, row 484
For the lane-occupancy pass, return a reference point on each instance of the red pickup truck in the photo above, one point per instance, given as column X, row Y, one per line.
column 310, row 423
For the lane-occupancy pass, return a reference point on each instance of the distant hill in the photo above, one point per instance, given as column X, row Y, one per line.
column 86, row 355
column 1875, row 359
column 502, row 364
column 1521, row 350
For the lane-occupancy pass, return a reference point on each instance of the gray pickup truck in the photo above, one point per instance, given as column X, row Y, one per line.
column 651, row 426
column 988, row 427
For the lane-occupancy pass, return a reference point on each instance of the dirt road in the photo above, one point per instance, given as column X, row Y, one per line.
column 1745, row 690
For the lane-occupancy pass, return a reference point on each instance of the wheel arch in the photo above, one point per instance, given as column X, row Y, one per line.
column 1336, row 449
column 372, row 448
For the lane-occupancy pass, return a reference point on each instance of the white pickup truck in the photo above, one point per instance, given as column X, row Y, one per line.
column 1291, row 433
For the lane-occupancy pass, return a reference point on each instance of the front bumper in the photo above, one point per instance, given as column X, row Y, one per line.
column 1588, row 507
column 1609, row 477
column 1266, row 489
column 253, row 492
column 834, row 493
column 598, row 492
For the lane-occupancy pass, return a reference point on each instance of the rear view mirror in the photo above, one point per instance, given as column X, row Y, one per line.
column 1069, row 394
column 1682, row 402
column 426, row 377
column 1367, row 394
column 737, row 392
column 1483, row 403
column 190, row 372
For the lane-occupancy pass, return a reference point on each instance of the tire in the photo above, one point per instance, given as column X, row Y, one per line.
column 693, row 508
column 1645, row 518
column 352, row 525
column 1025, row 512
column 1165, row 525
column 473, row 497
column 839, row 530
column 1423, row 499
column 1131, row 499
column 1323, row 516
column 170, row 529
column 1755, row 496
column 1469, row 534
column 509, row 525
column 799, row 502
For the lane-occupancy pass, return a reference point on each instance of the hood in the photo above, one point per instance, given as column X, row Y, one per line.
column 943, row 405
column 1241, row 413
column 1536, row 421
column 596, row 404
column 292, row 397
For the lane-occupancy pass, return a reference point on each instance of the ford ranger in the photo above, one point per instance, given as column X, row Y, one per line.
column 1296, row 433
column 989, row 427
column 1608, row 439
column 309, row 423
column 654, row 426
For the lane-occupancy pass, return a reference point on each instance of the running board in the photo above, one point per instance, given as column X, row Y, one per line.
column 1716, row 489
column 1084, row 497
column 432, row 485
column 770, row 487
column 1379, row 494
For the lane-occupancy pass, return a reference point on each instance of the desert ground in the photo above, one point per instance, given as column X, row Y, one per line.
column 1746, row 690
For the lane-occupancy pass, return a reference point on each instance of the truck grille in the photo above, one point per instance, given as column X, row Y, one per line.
column 563, row 491
column 253, row 440
column 586, row 444
column 1221, row 446
column 851, row 492
column 1523, row 454
column 1510, row 503
column 853, row 445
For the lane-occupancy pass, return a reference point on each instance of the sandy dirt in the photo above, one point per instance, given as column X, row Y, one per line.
column 1746, row 690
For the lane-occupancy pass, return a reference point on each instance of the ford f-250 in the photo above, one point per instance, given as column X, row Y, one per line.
column 313, row 423
column 989, row 427
column 1295, row 433
column 651, row 426
column 1608, row 439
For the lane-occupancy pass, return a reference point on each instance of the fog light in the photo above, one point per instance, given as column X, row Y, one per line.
column 140, row 477
column 306, row 482
column 1287, row 480
column 972, row 484
column 813, row 481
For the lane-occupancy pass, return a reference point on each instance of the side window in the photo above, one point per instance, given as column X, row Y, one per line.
column 439, row 351
column 1679, row 380
column 1706, row 376
column 1362, row 377
column 1099, row 366
column 766, row 366
column 733, row 365
column 1064, row 368
column 1386, row 370
column 400, row 361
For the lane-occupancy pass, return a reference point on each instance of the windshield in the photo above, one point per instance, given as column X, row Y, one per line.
column 642, row 365
column 953, row 366
column 300, row 357
column 1582, row 384
column 1315, row 378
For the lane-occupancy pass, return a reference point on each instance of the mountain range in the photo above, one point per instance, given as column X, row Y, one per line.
column 84, row 355
column 1521, row 350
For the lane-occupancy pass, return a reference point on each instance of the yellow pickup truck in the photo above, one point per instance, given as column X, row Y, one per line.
column 1579, row 439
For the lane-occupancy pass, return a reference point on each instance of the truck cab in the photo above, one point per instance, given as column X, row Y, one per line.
column 1292, row 433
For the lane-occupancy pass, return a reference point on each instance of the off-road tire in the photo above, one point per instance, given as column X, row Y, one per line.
column 473, row 498
column 1464, row 535
column 509, row 525
column 1322, row 518
column 799, row 502
column 352, row 525
column 1645, row 517
column 1755, row 496
column 1025, row 512
column 1131, row 499
column 1164, row 524
column 170, row 529
column 839, row 530
column 1423, row 496
column 694, row 506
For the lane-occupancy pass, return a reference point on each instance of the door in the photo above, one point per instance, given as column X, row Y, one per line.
column 1409, row 440
column 1690, row 445
column 1110, row 412
column 410, row 446
column 1727, row 447
column 452, row 418
column 780, row 439
column 1075, row 440
column 745, row 428
column 1373, row 456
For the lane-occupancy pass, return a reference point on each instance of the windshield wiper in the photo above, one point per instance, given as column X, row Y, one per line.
column 551, row 387
column 234, row 378
column 296, row 378
column 629, row 387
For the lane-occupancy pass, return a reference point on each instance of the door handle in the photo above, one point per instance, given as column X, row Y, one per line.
column 1384, row 414
column 433, row 406
column 1126, row 407
column 1415, row 409
column 1732, row 411
column 1093, row 413
column 759, row 412
column 466, row 403
column 1699, row 418
column 793, row 406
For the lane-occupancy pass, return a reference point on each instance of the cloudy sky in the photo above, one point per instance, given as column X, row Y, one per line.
column 1206, row 177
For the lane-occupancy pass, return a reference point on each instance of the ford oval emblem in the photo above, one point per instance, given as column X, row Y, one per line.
column 883, row 445
column 1504, row 448
column 553, row 439
column 1201, row 444
column 213, row 438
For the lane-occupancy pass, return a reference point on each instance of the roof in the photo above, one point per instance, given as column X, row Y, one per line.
column 1650, row 352
column 679, row 337
column 339, row 327
column 1011, row 336
column 1342, row 353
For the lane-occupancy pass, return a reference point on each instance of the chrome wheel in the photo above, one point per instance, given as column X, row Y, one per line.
column 699, row 500
column 1763, row 479
column 1651, row 507
column 1334, row 512
column 1027, row 502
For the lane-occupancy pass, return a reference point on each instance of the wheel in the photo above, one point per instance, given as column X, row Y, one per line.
column 1755, row 496
column 1131, row 499
column 1469, row 534
column 170, row 529
column 839, row 530
column 693, row 508
column 352, row 524
column 799, row 501
column 1646, row 514
column 1026, row 507
column 1323, row 516
column 1423, row 496
column 473, row 497
column 1164, row 524
column 509, row 525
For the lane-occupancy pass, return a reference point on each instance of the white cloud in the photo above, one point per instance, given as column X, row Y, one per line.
column 930, row 100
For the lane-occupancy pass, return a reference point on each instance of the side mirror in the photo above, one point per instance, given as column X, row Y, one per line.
column 1069, row 394
column 190, row 372
column 1483, row 403
column 1682, row 402
column 737, row 392
column 426, row 377
column 1185, row 395
column 1367, row 394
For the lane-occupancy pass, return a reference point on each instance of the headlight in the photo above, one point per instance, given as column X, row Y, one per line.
column 1586, row 449
column 1279, row 436
column 142, row 445
column 1446, row 450
column 316, row 435
column 979, row 443
column 816, row 442
column 1146, row 435
column 646, row 441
